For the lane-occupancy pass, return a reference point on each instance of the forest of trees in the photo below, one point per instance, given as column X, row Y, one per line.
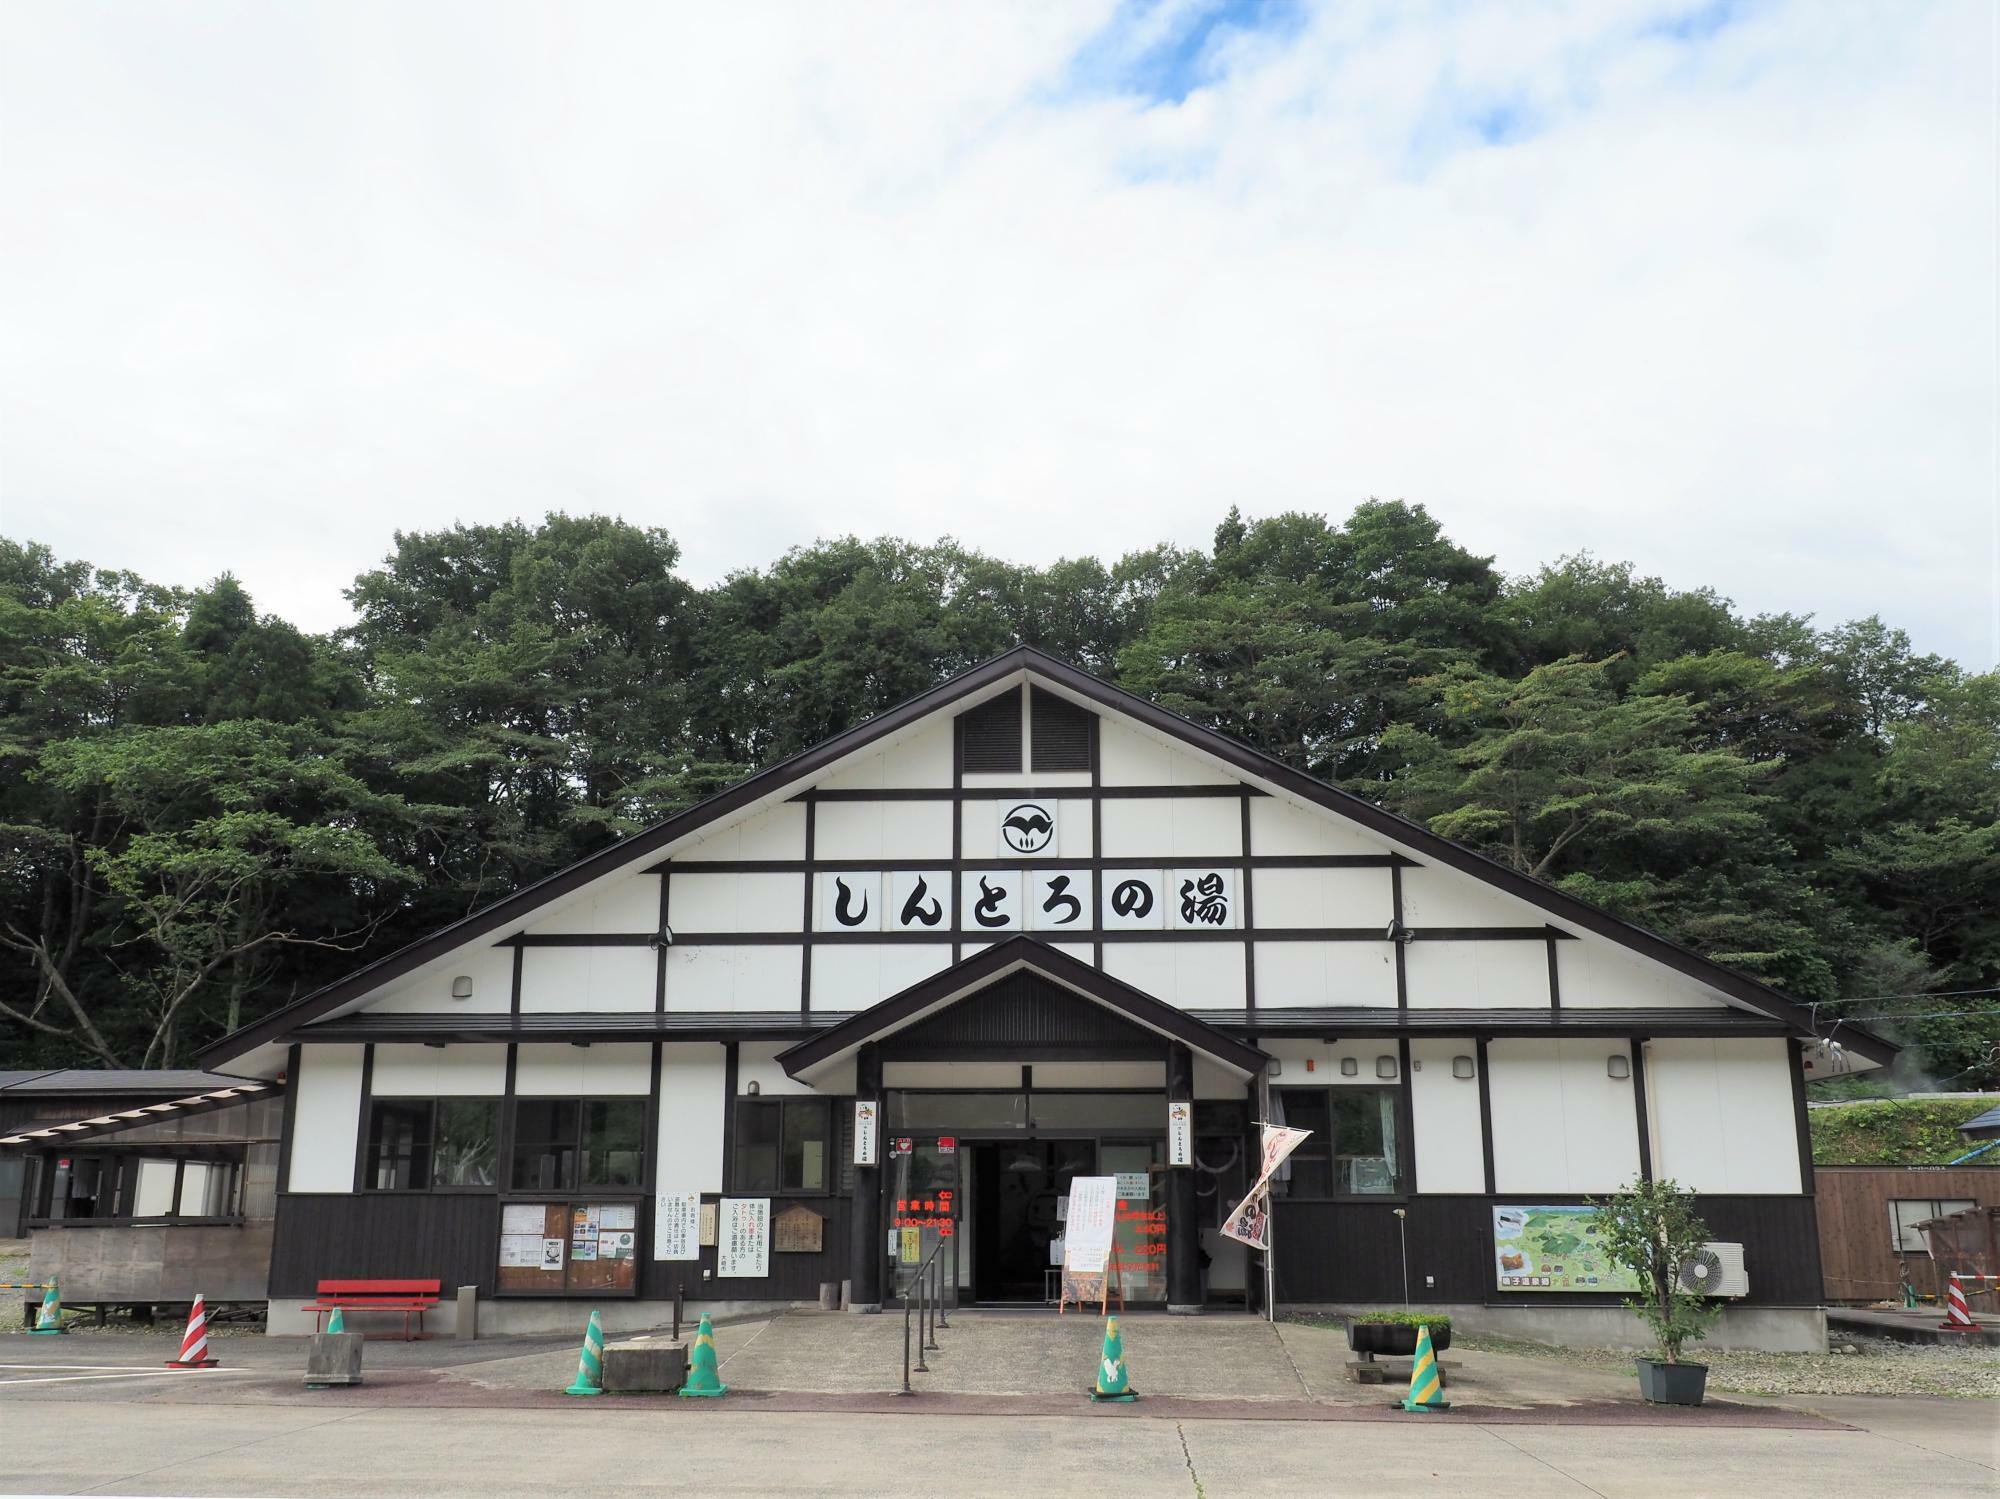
column 207, row 812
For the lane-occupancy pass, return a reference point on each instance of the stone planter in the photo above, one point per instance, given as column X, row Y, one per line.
column 1392, row 1339
column 1672, row 1384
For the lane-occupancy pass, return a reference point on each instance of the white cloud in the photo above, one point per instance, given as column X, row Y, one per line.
column 282, row 279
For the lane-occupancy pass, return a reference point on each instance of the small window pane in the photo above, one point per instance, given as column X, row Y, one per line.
column 758, row 1129
column 399, row 1145
column 545, row 1144
column 1364, row 1136
column 613, row 1150
column 1307, row 1173
column 804, row 1145
column 466, row 1151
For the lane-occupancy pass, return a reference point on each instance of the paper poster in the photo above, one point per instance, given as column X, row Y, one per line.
column 616, row 1245
column 583, row 1223
column 1062, row 1209
column 912, row 1246
column 677, row 1226
column 523, row 1218
column 552, row 1254
column 1180, row 1133
column 583, row 1250
column 1553, row 1249
column 1093, row 1215
column 1133, row 1187
column 617, row 1215
column 743, row 1245
column 520, row 1251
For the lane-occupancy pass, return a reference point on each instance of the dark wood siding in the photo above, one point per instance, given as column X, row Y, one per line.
column 389, row 1235
column 1854, row 1223
column 793, row 1277
column 1340, row 1251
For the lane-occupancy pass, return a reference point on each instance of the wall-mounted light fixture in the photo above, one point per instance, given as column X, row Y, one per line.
column 461, row 986
column 755, row 1088
column 1350, row 1067
column 664, row 937
column 1385, row 1066
column 1274, row 1067
column 1461, row 1067
column 1397, row 932
column 1618, row 1066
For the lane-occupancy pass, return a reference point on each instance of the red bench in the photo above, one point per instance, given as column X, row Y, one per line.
column 403, row 1296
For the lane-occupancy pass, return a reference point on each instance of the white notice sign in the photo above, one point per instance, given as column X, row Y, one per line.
column 866, row 1114
column 743, row 1243
column 1093, row 1212
column 677, row 1226
column 1180, row 1134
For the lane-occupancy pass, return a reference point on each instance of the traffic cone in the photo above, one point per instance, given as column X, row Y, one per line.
column 1426, row 1384
column 336, row 1323
column 49, row 1318
column 194, row 1342
column 590, row 1364
column 1112, row 1382
column 704, row 1376
column 1957, row 1316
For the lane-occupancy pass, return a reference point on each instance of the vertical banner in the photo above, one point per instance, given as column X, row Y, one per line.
column 1249, row 1222
column 677, row 1226
column 1180, row 1133
column 867, row 1112
column 743, row 1245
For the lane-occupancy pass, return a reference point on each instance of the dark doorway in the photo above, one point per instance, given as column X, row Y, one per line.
column 1016, row 1184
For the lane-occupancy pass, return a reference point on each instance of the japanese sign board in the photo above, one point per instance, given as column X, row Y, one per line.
column 743, row 1248
column 1180, row 1133
column 677, row 1226
column 1133, row 1186
column 798, row 1230
column 1553, row 1249
column 867, row 1114
column 705, row 1235
column 1093, row 1213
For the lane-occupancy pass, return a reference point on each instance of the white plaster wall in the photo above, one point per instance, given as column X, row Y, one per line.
column 1560, row 1123
column 882, row 830
column 1104, row 1075
column 698, row 903
column 1436, row 896
column 491, row 970
column 326, row 1117
column 693, row 1078
column 1190, row 975
column 605, row 1069
column 629, row 905
column 574, row 979
column 951, row 1074
column 466, row 1071
column 920, row 758
column 852, row 977
column 1445, row 1115
column 1487, row 975
column 757, row 1062
column 1597, row 973
column 1128, row 756
column 981, row 832
column 1321, row 897
column 1292, row 974
column 732, row 978
column 1279, row 827
column 1295, row 1053
column 1723, row 1119
column 1183, row 828
column 1213, row 1080
column 776, row 833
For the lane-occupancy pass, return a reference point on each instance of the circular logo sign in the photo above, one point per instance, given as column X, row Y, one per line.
column 1028, row 828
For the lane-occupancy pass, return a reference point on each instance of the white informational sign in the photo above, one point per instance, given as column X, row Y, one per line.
column 677, row 1226
column 618, row 1215
column 867, row 1137
column 522, row 1218
column 1180, row 1134
column 1132, row 1186
column 520, row 1251
column 743, row 1239
column 1093, row 1214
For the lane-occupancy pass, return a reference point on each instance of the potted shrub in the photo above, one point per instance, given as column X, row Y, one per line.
column 1651, row 1229
column 1394, row 1334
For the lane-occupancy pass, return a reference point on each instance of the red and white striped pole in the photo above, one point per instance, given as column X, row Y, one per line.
column 1956, row 1316
column 194, row 1343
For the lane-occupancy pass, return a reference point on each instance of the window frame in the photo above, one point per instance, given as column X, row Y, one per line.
column 578, row 1186
column 784, row 1104
column 371, row 1160
column 1330, row 1153
column 1939, row 1208
column 122, row 1166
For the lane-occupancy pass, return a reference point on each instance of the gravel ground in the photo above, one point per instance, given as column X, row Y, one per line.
column 1876, row 1367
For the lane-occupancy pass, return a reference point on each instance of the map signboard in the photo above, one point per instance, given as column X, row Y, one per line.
column 1542, row 1248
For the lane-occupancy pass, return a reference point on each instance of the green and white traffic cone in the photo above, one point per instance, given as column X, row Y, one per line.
column 1112, row 1382
column 590, row 1364
column 336, row 1323
column 49, row 1319
column 1426, row 1384
column 704, row 1376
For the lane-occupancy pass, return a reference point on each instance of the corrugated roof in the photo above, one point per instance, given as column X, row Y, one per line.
column 88, row 1080
column 1979, row 1124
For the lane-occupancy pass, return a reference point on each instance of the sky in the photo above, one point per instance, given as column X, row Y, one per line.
column 1709, row 287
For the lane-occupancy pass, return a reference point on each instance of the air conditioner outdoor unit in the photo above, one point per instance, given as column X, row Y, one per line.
column 1716, row 1270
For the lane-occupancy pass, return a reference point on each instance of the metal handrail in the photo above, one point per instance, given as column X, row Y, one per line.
column 927, row 1304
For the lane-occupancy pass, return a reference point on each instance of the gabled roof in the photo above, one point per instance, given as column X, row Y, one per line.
column 980, row 680
column 990, row 965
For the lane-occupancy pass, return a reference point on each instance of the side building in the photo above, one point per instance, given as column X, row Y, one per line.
column 906, row 985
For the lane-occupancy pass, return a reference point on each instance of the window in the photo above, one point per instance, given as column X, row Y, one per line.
column 1905, row 1213
column 121, row 1186
column 1351, row 1151
column 421, row 1144
column 782, row 1145
column 561, row 1144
